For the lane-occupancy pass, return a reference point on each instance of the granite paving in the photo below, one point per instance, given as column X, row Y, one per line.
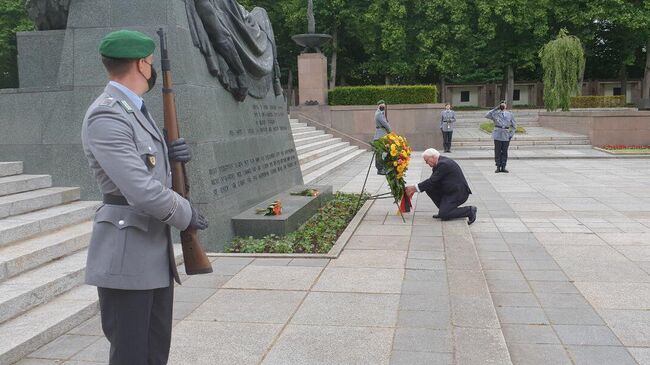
column 556, row 270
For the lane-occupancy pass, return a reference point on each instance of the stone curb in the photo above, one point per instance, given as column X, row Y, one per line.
column 333, row 253
column 643, row 154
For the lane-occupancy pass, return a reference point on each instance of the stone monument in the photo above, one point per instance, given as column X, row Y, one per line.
column 230, row 106
column 312, row 67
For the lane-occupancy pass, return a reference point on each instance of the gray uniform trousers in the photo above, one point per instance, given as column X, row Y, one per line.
column 130, row 257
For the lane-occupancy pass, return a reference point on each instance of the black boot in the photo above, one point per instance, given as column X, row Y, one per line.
column 498, row 170
column 503, row 169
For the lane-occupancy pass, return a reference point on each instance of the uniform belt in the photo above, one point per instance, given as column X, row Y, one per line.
column 115, row 200
column 498, row 126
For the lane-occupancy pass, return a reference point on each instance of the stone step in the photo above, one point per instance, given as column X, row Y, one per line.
column 30, row 289
column 309, row 140
column 298, row 125
column 524, row 142
column 24, row 334
column 488, row 138
column 28, row 332
column 26, row 255
column 25, row 226
column 316, row 164
column 525, row 147
column 295, row 130
column 313, row 133
column 316, row 154
column 292, row 121
column 324, row 170
column 30, row 201
column 11, row 168
column 22, row 183
column 316, row 145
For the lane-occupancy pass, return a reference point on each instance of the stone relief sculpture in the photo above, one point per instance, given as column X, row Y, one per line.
column 48, row 14
column 238, row 45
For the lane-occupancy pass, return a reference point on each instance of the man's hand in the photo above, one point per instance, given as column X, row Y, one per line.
column 410, row 190
column 198, row 221
column 179, row 151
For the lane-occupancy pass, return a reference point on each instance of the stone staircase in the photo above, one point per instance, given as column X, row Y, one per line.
column 44, row 233
column 474, row 118
column 320, row 153
column 468, row 136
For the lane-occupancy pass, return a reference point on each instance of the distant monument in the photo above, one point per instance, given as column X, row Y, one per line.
column 229, row 103
column 312, row 67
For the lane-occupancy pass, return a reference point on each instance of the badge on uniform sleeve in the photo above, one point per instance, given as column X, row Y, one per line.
column 126, row 106
column 151, row 161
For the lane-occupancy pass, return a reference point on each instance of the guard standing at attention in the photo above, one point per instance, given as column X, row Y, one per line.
column 381, row 129
column 504, row 129
column 447, row 120
column 131, row 258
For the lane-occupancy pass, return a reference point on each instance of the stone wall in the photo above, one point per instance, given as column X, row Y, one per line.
column 624, row 127
column 419, row 123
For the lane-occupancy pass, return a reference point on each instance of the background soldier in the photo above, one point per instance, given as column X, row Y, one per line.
column 381, row 129
column 504, row 129
column 131, row 258
column 447, row 120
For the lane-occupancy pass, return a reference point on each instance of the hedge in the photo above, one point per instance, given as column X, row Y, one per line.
column 598, row 101
column 369, row 95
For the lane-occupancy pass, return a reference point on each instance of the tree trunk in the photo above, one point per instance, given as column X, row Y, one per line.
column 646, row 77
column 624, row 81
column 443, row 90
column 387, row 80
column 511, row 86
column 333, row 61
column 581, row 81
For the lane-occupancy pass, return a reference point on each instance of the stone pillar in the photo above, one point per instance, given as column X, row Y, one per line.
column 312, row 78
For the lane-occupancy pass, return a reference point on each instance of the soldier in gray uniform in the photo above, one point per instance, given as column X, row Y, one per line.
column 381, row 129
column 130, row 258
column 447, row 120
column 504, row 129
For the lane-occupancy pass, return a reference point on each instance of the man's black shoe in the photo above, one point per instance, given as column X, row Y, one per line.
column 498, row 170
column 472, row 215
column 503, row 169
column 436, row 216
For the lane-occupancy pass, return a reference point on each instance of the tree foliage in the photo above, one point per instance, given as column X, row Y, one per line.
column 13, row 18
column 563, row 61
column 425, row 41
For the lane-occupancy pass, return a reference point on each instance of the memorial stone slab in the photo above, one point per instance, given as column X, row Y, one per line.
column 243, row 150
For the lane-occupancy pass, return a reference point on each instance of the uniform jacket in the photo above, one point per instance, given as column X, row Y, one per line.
column 447, row 178
column 447, row 120
column 130, row 247
column 503, row 119
column 381, row 125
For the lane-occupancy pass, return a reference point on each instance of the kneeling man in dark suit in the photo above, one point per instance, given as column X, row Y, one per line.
column 447, row 187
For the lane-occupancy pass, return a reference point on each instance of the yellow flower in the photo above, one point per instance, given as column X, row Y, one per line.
column 393, row 152
column 400, row 168
column 395, row 163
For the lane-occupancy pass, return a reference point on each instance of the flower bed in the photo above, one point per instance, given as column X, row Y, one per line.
column 316, row 236
column 626, row 149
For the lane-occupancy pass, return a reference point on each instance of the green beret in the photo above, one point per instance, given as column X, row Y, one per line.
column 127, row 44
column 381, row 102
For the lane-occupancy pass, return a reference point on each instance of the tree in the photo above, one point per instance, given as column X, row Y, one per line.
column 563, row 61
column 13, row 18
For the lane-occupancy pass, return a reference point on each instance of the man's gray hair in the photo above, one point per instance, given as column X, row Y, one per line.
column 431, row 152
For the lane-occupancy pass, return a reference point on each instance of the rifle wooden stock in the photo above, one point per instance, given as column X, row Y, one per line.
column 196, row 261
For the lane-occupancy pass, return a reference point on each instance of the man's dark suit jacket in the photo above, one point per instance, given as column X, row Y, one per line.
column 447, row 179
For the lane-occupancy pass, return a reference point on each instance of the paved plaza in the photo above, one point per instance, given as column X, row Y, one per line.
column 556, row 270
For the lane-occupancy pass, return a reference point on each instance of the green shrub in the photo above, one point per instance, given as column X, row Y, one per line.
column 488, row 127
column 369, row 95
column 598, row 101
column 317, row 235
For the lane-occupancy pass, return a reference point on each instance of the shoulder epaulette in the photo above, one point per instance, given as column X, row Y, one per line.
column 109, row 101
column 126, row 106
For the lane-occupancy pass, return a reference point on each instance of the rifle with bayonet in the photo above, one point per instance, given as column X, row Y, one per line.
column 196, row 261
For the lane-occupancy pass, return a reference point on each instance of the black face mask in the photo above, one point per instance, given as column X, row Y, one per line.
column 151, row 82
column 381, row 108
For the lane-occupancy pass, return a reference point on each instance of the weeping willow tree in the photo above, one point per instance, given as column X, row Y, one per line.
column 563, row 61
